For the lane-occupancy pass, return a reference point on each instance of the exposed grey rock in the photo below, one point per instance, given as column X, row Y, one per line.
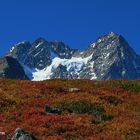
column 20, row 50
column 60, row 72
column 40, row 53
column 62, row 50
column 35, row 55
column 115, row 59
column 21, row 134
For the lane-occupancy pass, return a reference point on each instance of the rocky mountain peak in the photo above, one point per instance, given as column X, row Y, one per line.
column 39, row 42
column 109, row 57
column 40, row 53
column 111, row 34
column 24, row 45
column 19, row 50
column 62, row 50
column 111, row 42
column 103, row 43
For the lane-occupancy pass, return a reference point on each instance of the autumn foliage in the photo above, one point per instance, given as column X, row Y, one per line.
column 99, row 110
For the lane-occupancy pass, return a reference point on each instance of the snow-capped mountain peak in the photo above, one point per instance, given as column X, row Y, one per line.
column 109, row 57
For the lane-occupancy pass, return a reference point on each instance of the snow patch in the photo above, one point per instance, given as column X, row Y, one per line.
column 107, row 55
column 111, row 34
column 75, row 64
column 93, row 77
column 11, row 50
column 99, row 40
column 23, row 42
column 123, row 72
column 93, row 45
column 38, row 45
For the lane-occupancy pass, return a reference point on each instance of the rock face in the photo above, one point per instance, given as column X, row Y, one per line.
column 110, row 57
column 113, row 58
column 10, row 68
column 40, row 53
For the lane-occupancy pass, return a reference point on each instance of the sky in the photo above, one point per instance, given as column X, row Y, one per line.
column 75, row 22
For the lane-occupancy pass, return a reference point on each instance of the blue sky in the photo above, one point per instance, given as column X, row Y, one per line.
column 76, row 22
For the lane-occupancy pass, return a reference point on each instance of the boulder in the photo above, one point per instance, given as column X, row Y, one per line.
column 51, row 110
column 74, row 89
column 21, row 134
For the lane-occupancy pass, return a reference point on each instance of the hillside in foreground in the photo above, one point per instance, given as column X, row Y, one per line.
column 90, row 110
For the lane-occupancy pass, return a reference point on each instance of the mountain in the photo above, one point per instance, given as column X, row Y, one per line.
column 109, row 57
column 40, row 53
column 113, row 58
column 10, row 68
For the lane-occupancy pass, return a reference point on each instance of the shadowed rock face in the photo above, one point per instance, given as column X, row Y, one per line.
column 35, row 55
column 10, row 68
column 110, row 57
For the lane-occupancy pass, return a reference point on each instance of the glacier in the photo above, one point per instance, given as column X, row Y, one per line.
column 75, row 64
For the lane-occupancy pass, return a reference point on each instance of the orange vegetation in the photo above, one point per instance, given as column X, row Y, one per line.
column 99, row 110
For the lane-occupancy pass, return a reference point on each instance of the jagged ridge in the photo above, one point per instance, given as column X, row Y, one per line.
column 110, row 57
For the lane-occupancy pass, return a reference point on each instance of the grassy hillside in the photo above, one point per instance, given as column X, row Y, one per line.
column 107, row 110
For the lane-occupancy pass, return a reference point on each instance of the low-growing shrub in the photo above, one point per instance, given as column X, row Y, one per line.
column 6, row 103
column 131, row 86
column 81, row 107
column 112, row 100
column 127, row 85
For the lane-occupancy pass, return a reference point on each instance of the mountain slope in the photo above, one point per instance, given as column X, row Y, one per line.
column 113, row 58
column 107, row 110
column 10, row 68
column 39, row 54
column 110, row 57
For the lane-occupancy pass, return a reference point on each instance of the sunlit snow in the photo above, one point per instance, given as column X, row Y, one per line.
column 12, row 49
column 75, row 64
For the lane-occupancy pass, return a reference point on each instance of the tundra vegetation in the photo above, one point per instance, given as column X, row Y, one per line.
column 97, row 110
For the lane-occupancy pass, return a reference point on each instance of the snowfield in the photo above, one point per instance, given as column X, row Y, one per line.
column 75, row 64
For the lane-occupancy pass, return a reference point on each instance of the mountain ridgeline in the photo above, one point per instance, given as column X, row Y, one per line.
column 110, row 57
